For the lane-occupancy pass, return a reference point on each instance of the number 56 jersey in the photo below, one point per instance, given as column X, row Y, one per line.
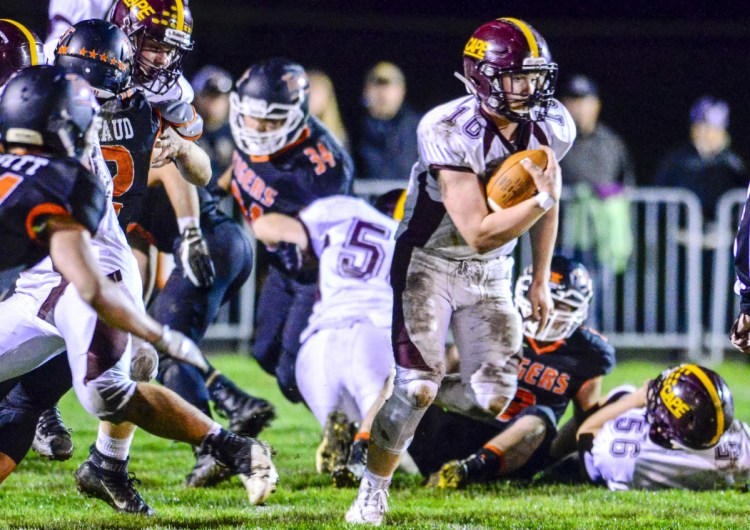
column 354, row 244
column 624, row 457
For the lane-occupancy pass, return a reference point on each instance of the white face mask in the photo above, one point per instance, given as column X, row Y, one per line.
column 257, row 143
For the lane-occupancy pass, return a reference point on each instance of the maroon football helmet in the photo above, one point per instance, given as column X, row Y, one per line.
column 499, row 50
column 153, row 26
column 689, row 405
column 19, row 48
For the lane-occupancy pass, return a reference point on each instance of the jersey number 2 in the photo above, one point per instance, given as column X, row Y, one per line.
column 8, row 183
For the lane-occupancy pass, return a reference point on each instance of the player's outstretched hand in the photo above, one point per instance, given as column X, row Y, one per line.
column 195, row 258
column 180, row 347
column 740, row 335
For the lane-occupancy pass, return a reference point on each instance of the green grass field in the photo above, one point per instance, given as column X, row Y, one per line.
column 42, row 494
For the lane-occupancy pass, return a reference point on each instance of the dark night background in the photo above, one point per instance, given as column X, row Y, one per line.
column 651, row 59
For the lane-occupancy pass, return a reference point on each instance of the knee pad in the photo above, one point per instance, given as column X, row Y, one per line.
column 396, row 423
column 493, row 389
column 144, row 364
column 107, row 396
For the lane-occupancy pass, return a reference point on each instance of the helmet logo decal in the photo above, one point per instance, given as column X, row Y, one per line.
column 674, row 404
column 556, row 278
column 526, row 30
column 476, row 48
column 142, row 8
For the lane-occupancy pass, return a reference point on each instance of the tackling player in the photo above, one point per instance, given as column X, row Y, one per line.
column 452, row 264
column 343, row 363
column 283, row 161
column 676, row 431
column 562, row 362
column 47, row 118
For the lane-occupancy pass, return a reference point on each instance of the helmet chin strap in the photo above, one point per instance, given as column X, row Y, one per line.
column 469, row 87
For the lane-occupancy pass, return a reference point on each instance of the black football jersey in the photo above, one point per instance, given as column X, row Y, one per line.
column 551, row 376
column 31, row 189
column 313, row 167
column 129, row 129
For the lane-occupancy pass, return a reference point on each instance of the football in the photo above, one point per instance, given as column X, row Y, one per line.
column 510, row 183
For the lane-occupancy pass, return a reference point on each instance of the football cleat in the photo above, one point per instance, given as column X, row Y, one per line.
column 333, row 450
column 206, row 472
column 108, row 479
column 261, row 482
column 351, row 473
column 245, row 456
column 369, row 506
column 247, row 415
column 52, row 438
column 452, row 475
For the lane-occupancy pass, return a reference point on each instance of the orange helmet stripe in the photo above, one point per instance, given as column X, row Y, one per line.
column 526, row 30
column 700, row 374
column 29, row 37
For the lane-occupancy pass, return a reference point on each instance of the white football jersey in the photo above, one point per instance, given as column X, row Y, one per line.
column 457, row 136
column 109, row 244
column 354, row 244
column 625, row 458
column 64, row 13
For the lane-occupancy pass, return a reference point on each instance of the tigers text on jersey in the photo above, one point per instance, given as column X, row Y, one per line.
column 313, row 167
column 552, row 375
column 33, row 187
column 624, row 457
column 354, row 244
column 129, row 129
column 458, row 136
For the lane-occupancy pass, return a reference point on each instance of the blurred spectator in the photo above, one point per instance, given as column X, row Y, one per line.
column 709, row 168
column 386, row 146
column 212, row 86
column 325, row 106
column 596, row 228
column 706, row 165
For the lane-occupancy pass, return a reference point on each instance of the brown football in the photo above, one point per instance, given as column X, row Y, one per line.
column 511, row 184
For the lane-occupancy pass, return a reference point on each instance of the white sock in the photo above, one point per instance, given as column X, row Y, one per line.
column 113, row 447
column 376, row 480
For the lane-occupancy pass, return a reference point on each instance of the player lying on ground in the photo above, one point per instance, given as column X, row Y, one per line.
column 562, row 362
column 676, row 431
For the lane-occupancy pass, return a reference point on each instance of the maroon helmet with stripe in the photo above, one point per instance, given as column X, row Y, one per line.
column 496, row 52
column 161, row 23
column 689, row 405
column 19, row 48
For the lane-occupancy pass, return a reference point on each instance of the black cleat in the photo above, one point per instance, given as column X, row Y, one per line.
column 338, row 435
column 350, row 474
column 246, row 457
column 247, row 415
column 206, row 472
column 52, row 438
column 108, row 479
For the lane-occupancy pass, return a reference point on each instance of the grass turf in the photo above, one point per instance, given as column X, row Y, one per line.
column 42, row 494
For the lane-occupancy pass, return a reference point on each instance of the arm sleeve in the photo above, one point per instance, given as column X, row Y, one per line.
column 88, row 200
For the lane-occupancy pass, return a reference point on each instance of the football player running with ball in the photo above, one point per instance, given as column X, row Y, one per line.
column 452, row 264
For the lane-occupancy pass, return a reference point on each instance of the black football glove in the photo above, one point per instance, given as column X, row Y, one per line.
column 195, row 258
column 289, row 255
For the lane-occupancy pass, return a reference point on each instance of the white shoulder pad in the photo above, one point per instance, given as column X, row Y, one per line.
column 560, row 129
column 181, row 117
